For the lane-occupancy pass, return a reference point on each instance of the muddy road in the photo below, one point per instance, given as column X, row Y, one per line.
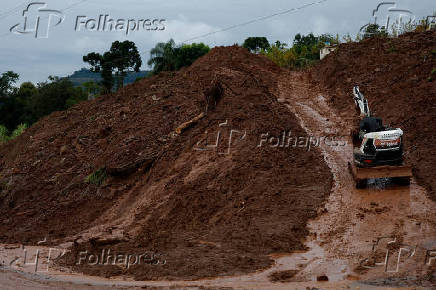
column 384, row 235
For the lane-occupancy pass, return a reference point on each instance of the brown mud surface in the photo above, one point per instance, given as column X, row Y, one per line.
column 207, row 211
column 382, row 235
column 340, row 253
column 396, row 77
column 244, row 216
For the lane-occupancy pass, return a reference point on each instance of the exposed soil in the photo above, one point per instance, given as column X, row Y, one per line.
column 340, row 246
column 275, row 217
column 282, row 276
column 396, row 77
column 207, row 213
column 379, row 235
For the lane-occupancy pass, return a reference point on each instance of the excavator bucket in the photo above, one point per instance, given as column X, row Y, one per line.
column 400, row 173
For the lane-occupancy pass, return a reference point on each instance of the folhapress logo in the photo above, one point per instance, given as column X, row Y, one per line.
column 38, row 20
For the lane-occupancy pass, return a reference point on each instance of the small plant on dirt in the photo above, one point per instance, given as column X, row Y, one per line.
column 432, row 75
column 97, row 178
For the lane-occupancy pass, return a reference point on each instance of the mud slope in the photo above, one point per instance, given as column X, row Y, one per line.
column 207, row 210
column 396, row 77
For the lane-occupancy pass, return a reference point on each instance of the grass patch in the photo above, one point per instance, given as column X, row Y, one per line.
column 97, row 178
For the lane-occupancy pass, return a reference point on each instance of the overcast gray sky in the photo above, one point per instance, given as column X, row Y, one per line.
column 61, row 52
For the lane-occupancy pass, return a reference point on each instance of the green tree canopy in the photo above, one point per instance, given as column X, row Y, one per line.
column 166, row 56
column 121, row 58
column 373, row 30
column 255, row 44
column 7, row 80
column 163, row 57
column 28, row 103
column 57, row 94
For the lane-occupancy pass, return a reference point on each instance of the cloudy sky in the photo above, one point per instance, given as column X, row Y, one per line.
column 61, row 52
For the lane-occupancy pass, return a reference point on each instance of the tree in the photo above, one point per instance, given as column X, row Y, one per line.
column 328, row 38
column 7, row 80
column 280, row 45
column 188, row 53
column 23, row 113
column 55, row 95
column 122, row 57
column 166, row 56
column 373, row 30
column 25, row 105
column 163, row 57
column 304, row 51
column 280, row 55
column 255, row 44
column 8, row 103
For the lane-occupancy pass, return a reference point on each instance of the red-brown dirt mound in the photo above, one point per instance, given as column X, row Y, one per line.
column 396, row 77
column 206, row 210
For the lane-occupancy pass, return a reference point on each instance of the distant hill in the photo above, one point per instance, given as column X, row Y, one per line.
column 85, row 75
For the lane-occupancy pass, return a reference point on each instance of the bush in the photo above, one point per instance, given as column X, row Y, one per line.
column 4, row 132
column 166, row 56
column 305, row 50
column 18, row 131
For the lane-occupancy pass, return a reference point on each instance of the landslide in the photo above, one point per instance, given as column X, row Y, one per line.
column 398, row 77
column 117, row 163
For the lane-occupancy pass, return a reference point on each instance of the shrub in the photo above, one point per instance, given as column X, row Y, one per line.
column 4, row 132
column 18, row 131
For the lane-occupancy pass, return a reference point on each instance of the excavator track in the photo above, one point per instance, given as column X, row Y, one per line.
column 401, row 174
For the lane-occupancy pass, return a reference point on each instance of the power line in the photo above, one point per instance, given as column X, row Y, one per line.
column 256, row 20
column 252, row 21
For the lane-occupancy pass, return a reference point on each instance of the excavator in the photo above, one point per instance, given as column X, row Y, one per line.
column 378, row 149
